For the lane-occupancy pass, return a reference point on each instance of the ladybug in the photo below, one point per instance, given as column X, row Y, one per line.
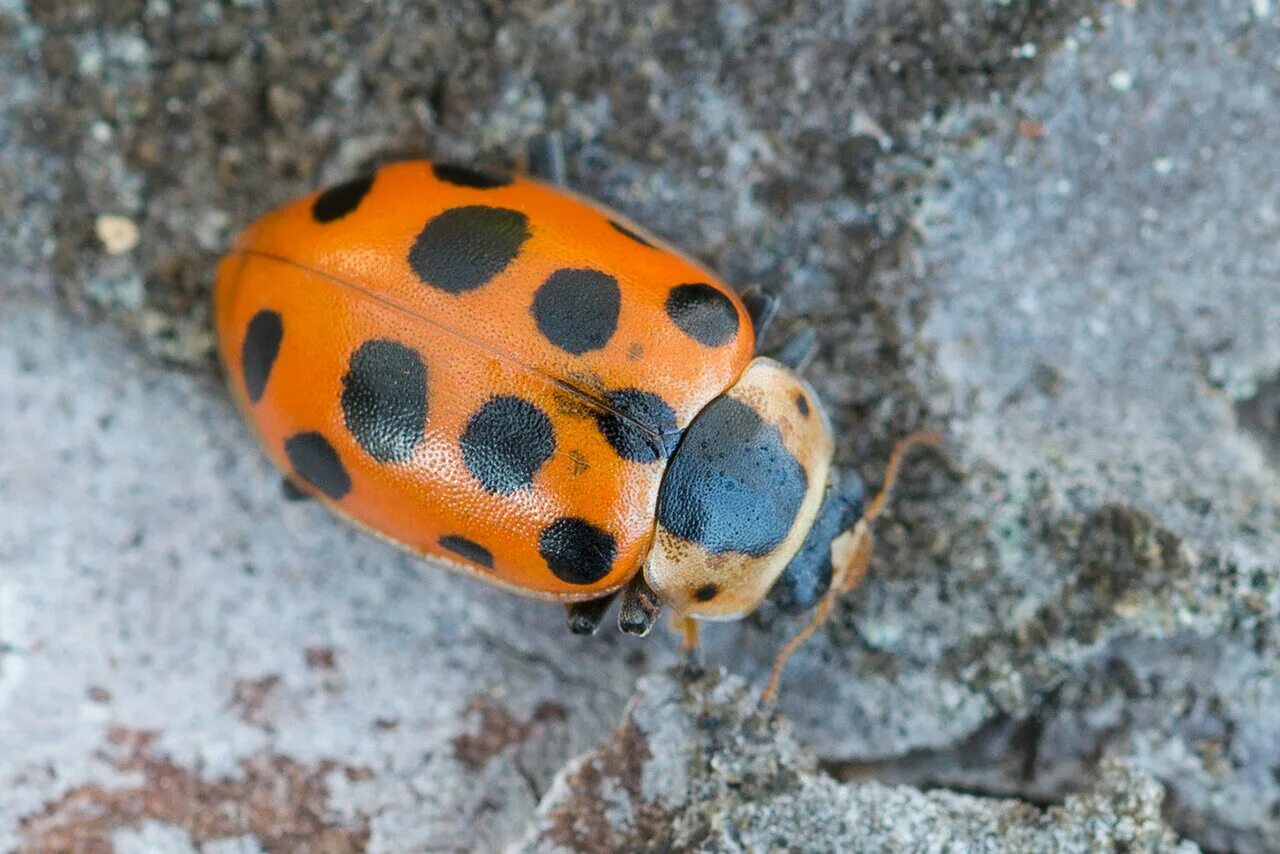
column 529, row 388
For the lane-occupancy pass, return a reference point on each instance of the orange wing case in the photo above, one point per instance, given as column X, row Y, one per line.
column 489, row 372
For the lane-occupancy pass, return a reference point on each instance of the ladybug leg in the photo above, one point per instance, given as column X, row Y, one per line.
column 799, row 348
column 292, row 491
column 544, row 157
column 688, row 628
column 584, row 617
column 640, row 607
column 850, row 557
column 762, row 307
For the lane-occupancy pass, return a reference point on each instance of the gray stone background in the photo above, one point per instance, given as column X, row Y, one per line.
column 1050, row 228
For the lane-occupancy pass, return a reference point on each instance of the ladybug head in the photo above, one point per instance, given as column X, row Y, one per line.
column 741, row 495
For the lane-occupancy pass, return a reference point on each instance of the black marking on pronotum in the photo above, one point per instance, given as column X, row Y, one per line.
column 259, row 351
column 316, row 462
column 468, row 549
column 341, row 199
column 705, row 593
column 732, row 485
column 463, row 248
column 384, row 399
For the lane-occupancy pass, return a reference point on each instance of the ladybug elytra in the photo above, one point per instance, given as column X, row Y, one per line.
column 531, row 389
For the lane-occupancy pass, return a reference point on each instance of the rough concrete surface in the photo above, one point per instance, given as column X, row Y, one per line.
column 1049, row 228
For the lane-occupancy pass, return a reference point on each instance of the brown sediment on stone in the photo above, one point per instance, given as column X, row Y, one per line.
column 321, row 658
column 252, row 700
column 497, row 729
column 619, row 767
column 282, row 803
column 644, row 788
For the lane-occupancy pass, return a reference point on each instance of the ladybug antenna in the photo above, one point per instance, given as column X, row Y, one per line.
column 850, row 557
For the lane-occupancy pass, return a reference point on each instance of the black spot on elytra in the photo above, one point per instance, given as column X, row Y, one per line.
column 732, row 486
column 506, row 442
column 340, row 199
column 577, row 310
column 468, row 549
column 622, row 229
column 577, row 551
column 705, row 593
column 466, row 176
column 802, row 405
column 463, row 248
column 258, row 353
column 316, row 462
column 639, row 425
column 384, row 399
column 703, row 312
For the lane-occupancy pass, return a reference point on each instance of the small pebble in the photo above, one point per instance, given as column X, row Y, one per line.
column 1030, row 130
column 1121, row 80
column 118, row 234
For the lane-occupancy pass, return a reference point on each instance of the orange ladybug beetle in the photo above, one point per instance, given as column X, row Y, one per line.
column 528, row 388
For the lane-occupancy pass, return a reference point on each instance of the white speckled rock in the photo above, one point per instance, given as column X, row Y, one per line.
column 696, row 766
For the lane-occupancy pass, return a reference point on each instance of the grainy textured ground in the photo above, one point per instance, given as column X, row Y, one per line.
column 1048, row 227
